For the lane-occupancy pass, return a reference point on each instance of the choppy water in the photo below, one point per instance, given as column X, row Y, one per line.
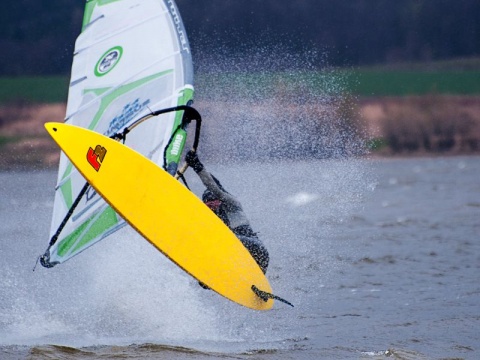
column 380, row 257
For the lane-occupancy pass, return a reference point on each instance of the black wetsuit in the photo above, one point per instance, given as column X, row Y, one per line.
column 234, row 217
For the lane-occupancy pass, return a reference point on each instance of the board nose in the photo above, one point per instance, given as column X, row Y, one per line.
column 52, row 128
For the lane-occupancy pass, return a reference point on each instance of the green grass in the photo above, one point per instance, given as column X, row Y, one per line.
column 4, row 140
column 410, row 82
column 34, row 89
column 362, row 82
column 377, row 144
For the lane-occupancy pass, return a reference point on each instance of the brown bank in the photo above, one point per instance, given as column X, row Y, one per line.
column 422, row 125
column 432, row 124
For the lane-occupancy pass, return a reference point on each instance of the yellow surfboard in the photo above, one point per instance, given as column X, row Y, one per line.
column 165, row 213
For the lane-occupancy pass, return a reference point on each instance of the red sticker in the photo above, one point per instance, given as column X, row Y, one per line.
column 95, row 157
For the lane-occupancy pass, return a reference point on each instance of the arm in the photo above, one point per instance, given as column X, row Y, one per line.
column 208, row 180
column 211, row 185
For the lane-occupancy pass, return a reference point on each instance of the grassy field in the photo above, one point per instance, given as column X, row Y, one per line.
column 412, row 109
column 409, row 82
column 361, row 82
column 33, row 89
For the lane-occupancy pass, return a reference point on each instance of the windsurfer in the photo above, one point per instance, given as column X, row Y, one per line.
column 229, row 210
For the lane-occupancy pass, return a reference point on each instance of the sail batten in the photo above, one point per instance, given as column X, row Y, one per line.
column 94, row 21
column 120, row 31
column 132, row 58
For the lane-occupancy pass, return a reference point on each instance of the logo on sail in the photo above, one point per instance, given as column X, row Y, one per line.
column 178, row 24
column 129, row 112
column 108, row 61
column 95, row 157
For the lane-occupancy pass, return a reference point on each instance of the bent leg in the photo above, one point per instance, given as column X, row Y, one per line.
column 258, row 251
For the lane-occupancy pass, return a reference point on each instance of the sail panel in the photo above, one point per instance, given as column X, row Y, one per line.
column 132, row 58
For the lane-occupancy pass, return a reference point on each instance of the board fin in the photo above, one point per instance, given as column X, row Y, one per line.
column 265, row 296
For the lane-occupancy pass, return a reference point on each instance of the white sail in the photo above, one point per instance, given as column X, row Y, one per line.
column 132, row 58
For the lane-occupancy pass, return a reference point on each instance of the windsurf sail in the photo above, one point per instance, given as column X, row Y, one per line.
column 132, row 60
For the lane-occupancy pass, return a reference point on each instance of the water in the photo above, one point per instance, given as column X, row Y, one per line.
column 380, row 257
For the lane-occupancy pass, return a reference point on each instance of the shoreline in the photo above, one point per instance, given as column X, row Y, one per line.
column 420, row 126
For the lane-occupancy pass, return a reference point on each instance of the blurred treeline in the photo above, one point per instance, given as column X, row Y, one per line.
column 428, row 124
column 37, row 37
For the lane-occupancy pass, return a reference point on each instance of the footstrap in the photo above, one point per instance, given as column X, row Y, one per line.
column 265, row 296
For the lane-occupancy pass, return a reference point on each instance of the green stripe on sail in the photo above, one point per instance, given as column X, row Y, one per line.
column 187, row 95
column 68, row 170
column 90, row 6
column 89, row 230
column 66, row 189
column 108, row 99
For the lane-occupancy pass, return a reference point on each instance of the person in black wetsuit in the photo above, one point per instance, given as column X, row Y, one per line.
column 229, row 210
